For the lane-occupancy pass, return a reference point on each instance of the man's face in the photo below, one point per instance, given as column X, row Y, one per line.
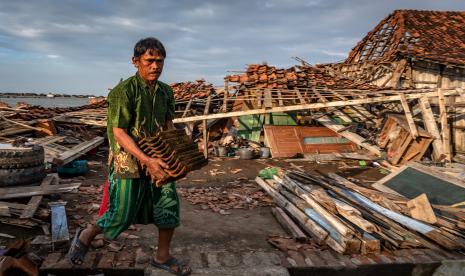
column 149, row 65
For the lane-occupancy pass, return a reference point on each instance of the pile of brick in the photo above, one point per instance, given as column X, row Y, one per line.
column 187, row 90
column 305, row 76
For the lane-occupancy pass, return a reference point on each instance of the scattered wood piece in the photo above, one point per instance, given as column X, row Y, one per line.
column 421, row 209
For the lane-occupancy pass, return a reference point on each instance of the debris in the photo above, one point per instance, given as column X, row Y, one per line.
column 353, row 219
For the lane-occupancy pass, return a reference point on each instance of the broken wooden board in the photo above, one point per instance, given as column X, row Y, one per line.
column 354, row 137
column 28, row 191
column 34, row 202
column 414, row 179
column 421, row 209
column 78, row 151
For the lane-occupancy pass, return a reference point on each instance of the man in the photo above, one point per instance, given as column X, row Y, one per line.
column 138, row 107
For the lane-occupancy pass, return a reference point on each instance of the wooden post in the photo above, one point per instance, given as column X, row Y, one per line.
column 408, row 116
column 205, row 130
column 205, row 139
column 432, row 128
column 445, row 130
column 225, row 96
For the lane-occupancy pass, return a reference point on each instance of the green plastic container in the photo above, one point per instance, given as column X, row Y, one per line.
column 74, row 168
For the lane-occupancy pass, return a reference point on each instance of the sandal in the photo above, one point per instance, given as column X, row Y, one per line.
column 173, row 265
column 77, row 250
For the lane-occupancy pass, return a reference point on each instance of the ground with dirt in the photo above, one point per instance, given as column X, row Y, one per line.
column 232, row 237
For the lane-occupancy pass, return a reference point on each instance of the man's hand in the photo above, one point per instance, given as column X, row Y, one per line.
column 155, row 168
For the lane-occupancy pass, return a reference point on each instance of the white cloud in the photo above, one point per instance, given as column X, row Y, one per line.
column 53, row 56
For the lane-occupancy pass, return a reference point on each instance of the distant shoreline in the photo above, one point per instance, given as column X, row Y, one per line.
column 41, row 95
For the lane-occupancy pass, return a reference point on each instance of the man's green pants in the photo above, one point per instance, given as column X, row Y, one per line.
column 138, row 201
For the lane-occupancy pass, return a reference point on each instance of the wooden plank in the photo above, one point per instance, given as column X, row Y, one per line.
column 280, row 101
column 34, row 202
column 224, row 108
column 287, row 223
column 268, row 103
column 421, row 209
column 312, row 106
column 408, row 116
column 259, row 98
column 27, row 191
column 432, row 128
column 311, row 227
column 336, row 111
column 445, row 130
column 78, row 151
column 299, row 95
column 188, row 107
column 357, row 139
column 397, row 73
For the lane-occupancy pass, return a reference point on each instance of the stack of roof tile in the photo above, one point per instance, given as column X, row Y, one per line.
column 265, row 76
column 187, row 90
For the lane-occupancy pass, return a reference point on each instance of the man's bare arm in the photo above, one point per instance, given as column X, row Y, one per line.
column 154, row 165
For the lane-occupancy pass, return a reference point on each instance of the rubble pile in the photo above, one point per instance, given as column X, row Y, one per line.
column 351, row 219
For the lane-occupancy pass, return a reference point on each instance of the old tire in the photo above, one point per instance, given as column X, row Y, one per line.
column 22, row 176
column 18, row 158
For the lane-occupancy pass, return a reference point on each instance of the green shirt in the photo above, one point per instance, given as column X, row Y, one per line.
column 141, row 112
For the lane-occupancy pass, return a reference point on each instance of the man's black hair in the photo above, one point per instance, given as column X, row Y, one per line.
column 149, row 43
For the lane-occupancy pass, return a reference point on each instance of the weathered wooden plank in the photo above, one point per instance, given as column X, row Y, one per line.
column 421, row 209
column 445, row 130
column 287, row 223
column 432, row 128
column 357, row 139
column 28, row 191
column 78, row 151
column 408, row 116
column 34, row 202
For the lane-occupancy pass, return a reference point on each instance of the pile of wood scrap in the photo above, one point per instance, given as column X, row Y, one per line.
column 33, row 213
column 400, row 145
column 351, row 219
column 220, row 200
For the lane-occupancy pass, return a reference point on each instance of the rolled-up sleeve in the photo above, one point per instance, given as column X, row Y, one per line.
column 170, row 114
column 119, row 106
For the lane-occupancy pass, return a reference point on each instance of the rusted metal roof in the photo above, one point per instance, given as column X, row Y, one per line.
column 437, row 36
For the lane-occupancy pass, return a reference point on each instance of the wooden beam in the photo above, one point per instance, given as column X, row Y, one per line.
column 336, row 111
column 432, row 128
column 287, row 223
column 311, row 106
column 27, row 191
column 301, row 99
column 224, row 108
column 357, row 139
column 78, row 151
column 268, row 103
column 445, row 130
column 188, row 107
column 397, row 73
column 408, row 116
column 34, row 202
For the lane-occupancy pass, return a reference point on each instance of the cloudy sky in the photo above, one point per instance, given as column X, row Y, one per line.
column 84, row 47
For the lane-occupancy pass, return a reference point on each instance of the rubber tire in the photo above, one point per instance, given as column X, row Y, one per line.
column 23, row 176
column 18, row 159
